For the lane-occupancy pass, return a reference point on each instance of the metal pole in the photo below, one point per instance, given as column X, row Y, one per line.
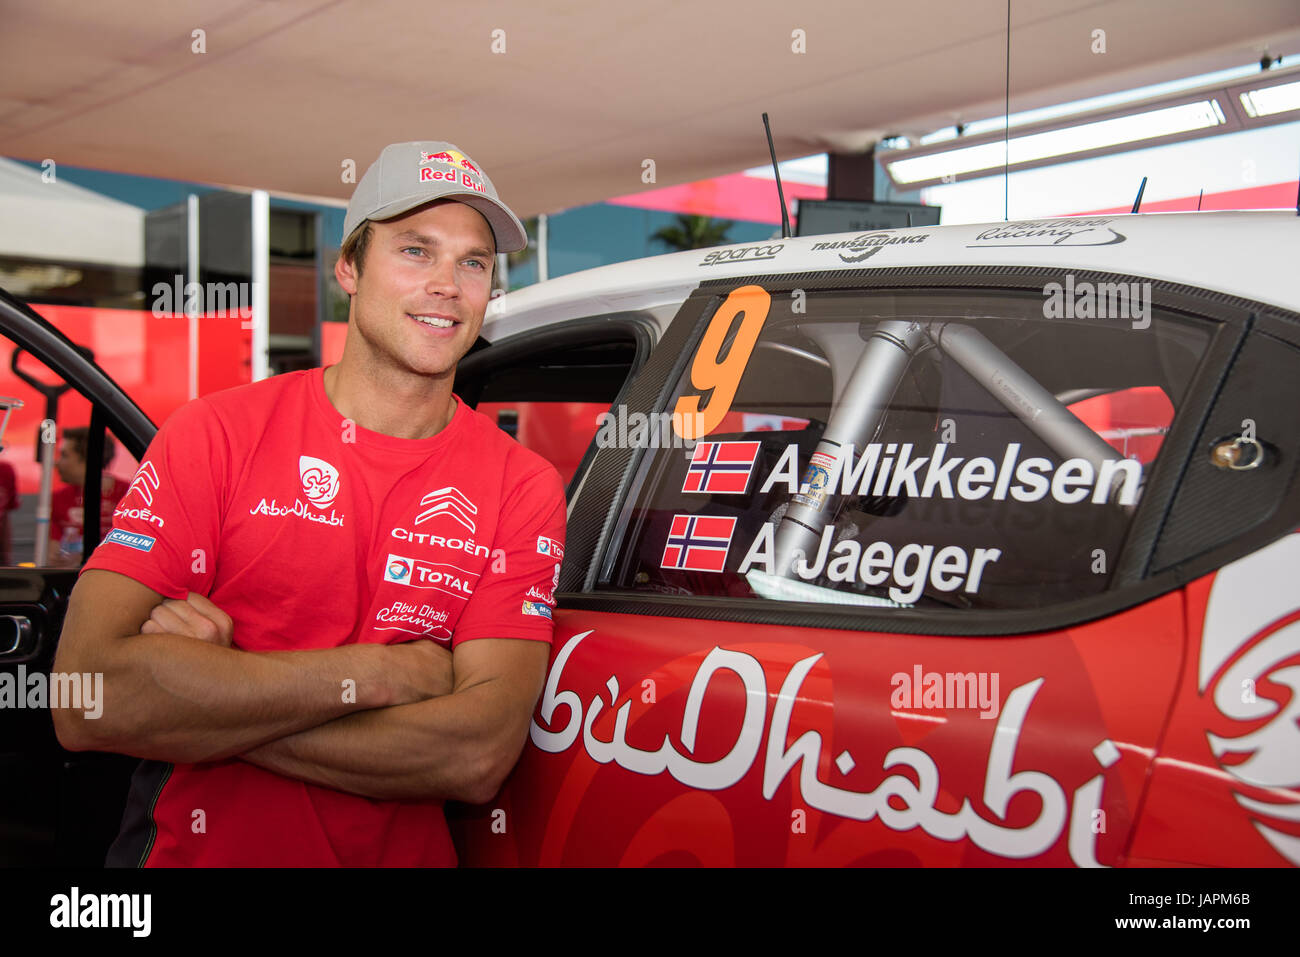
column 261, row 320
column 543, row 260
column 42, row 556
column 1021, row 394
column 192, row 276
column 857, row 415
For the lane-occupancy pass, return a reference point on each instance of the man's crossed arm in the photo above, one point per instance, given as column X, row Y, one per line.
column 384, row 721
column 460, row 745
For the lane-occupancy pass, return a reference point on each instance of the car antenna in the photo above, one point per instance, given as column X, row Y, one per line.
column 1200, row 196
column 1006, row 129
column 1138, row 202
column 780, row 194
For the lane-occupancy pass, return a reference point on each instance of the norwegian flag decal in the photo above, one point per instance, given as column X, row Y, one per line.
column 698, row 543
column 722, row 467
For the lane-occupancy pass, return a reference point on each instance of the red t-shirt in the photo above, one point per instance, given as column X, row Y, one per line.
column 312, row 532
column 8, row 502
column 8, row 489
column 68, row 510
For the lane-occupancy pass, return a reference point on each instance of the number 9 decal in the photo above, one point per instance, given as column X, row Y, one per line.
column 710, row 370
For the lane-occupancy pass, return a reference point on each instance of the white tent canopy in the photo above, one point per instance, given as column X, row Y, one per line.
column 42, row 217
column 566, row 108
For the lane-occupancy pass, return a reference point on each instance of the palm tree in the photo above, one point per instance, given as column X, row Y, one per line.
column 521, row 256
column 694, row 232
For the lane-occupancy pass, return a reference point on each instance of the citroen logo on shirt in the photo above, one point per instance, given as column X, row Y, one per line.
column 145, row 483
column 450, row 502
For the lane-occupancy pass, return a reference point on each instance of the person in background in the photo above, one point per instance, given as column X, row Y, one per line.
column 9, row 501
column 67, row 506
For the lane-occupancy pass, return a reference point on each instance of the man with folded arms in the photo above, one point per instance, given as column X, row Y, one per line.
column 337, row 613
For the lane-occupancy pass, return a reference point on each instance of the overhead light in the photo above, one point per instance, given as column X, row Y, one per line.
column 1050, row 136
column 1108, row 101
column 1062, row 143
column 1271, row 100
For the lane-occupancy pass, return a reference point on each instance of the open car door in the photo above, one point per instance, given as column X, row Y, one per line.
column 57, row 808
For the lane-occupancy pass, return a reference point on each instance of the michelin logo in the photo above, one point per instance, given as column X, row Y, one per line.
column 537, row 608
column 141, row 543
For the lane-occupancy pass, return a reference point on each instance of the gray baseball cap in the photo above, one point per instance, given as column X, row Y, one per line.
column 408, row 175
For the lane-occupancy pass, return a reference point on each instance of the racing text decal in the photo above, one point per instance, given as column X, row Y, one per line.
column 909, row 797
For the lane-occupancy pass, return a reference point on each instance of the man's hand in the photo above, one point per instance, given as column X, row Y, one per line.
column 180, row 700
column 415, row 670
column 459, row 746
column 195, row 617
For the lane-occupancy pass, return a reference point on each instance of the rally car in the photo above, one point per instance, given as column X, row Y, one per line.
column 938, row 546
column 948, row 545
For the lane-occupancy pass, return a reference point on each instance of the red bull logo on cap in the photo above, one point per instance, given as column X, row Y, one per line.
column 449, row 156
column 464, row 179
column 468, row 175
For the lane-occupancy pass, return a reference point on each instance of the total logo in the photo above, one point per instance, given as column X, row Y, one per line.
column 438, row 576
column 399, row 570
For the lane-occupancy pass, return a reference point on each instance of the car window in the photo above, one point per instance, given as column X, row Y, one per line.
column 915, row 448
column 560, row 432
column 42, row 465
column 549, row 389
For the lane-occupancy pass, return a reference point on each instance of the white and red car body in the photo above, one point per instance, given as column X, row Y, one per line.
column 1163, row 733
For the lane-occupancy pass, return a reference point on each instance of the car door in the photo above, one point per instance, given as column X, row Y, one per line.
column 56, row 807
column 873, row 581
column 1232, row 752
column 548, row 387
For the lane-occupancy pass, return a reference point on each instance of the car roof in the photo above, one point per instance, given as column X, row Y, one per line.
column 1247, row 254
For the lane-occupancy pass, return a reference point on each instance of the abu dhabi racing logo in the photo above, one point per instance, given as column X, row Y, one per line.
column 1069, row 231
column 1250, row 656
column 320, row 481
column 452, row 503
